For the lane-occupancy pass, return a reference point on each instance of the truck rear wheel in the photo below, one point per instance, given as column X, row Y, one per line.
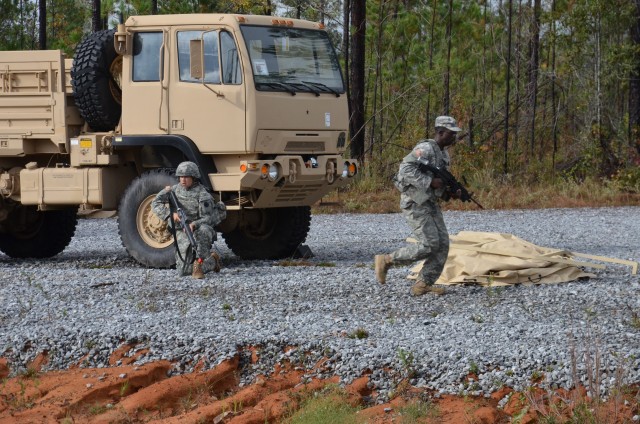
column 145, row 236
column 269, row 233
column 95, row 78
column 37, row 234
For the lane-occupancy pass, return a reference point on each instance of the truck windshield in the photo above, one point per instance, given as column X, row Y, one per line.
column 293, row 60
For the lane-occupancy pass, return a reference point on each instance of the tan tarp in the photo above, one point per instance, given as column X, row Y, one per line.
column 496, row 259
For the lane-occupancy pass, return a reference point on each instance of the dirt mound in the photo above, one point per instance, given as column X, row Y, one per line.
column 132, row 394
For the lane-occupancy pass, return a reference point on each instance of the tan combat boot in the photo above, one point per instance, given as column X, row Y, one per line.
column 197, row 270
column 216, row 260
column 420, row 288
column 382, row 265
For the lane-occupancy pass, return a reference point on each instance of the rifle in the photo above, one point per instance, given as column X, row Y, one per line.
column 174, row 205
column 451, row 184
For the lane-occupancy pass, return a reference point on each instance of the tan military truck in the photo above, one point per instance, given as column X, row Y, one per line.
column 257, row 102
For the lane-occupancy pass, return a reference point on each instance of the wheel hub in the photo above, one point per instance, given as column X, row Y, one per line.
column 152, row 229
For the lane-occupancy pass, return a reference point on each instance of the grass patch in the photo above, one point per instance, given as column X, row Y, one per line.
column 359, row 333
column 375, row 196
column 417, row 410
column 329, row 406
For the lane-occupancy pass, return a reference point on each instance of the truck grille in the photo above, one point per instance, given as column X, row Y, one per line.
column 304, row 146
column 298, row 192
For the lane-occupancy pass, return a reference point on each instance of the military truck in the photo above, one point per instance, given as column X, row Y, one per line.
column 257, row 102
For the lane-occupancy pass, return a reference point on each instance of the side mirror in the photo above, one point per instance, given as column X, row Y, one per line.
column 195, row 58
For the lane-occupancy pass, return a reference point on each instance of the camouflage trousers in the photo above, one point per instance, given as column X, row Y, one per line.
column 205, row 236
column 428, row 228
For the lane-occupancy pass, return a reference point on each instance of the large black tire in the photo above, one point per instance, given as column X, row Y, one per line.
column 143, row 234
column 94, row 77
column 271, row 233
column 36, row 234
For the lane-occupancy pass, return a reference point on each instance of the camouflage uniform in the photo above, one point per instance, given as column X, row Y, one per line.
column 419, row 203
column 420, row 208
column 201, row 210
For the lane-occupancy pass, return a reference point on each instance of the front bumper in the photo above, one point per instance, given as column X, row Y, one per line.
column 286, row 180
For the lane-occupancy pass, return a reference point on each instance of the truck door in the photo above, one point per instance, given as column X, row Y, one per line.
column 208, row 106
column 144, row 94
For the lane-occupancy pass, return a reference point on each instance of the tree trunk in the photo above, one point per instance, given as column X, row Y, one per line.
column 96, row 21
column 505, row 167
column 553, row 86
column 356, row 123
column 447, row 74
column 42, row 24
column 634, row 86
column 346, row 33
column 376, row 128
column 533, row 70
column 427, row 117
column 154, row 7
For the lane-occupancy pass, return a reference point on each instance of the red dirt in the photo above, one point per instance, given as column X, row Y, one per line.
column 136, row 394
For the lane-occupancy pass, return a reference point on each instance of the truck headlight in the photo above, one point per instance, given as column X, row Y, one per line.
column 274, row 171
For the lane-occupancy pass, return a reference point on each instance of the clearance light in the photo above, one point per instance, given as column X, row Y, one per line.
column 321, row 26
column 264, row 171
column 243, row 168
column 241, row 19
column 284, row 22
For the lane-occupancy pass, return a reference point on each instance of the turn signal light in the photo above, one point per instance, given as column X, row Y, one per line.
column 264, row 171
column 352, row 169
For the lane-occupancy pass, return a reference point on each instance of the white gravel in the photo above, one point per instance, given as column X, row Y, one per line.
column 87, row 301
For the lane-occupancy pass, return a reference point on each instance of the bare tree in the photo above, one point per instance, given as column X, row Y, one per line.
column 447, row 74
column 634, row 85
column 534, row 63
column 96, row 21
column 553, row 85
column 428, row 106
column 505, row 168
column 42, row 24
column 357, row 84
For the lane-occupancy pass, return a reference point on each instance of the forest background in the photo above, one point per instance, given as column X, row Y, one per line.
column 546, row 91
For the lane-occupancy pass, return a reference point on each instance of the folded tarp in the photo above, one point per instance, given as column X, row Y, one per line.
column 497, row 259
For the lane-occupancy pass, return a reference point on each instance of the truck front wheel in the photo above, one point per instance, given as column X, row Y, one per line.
column 144, row 235
column 37, row 234
column 269, row 233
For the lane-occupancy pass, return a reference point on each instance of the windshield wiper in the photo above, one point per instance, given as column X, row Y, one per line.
column 320, row 85
column 279, row 85
column 309, row 87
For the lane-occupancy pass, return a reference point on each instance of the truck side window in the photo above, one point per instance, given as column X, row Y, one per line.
column 146, row 56
column 231, row 71
column 210, row 48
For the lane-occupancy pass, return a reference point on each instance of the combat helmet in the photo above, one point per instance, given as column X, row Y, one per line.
column 188, row 169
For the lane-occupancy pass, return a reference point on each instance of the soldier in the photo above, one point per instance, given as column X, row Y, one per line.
column 418, row 201
column 203, row 215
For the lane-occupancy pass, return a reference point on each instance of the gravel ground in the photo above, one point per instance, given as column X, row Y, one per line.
column 83, row 304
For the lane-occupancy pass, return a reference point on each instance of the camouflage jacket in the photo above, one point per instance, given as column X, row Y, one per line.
column 196, row 202
column 414, row 184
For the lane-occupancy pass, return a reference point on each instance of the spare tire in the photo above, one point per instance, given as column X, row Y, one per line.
column 95, row 77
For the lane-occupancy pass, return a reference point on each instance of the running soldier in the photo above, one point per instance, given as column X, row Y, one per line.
column 419, row 204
